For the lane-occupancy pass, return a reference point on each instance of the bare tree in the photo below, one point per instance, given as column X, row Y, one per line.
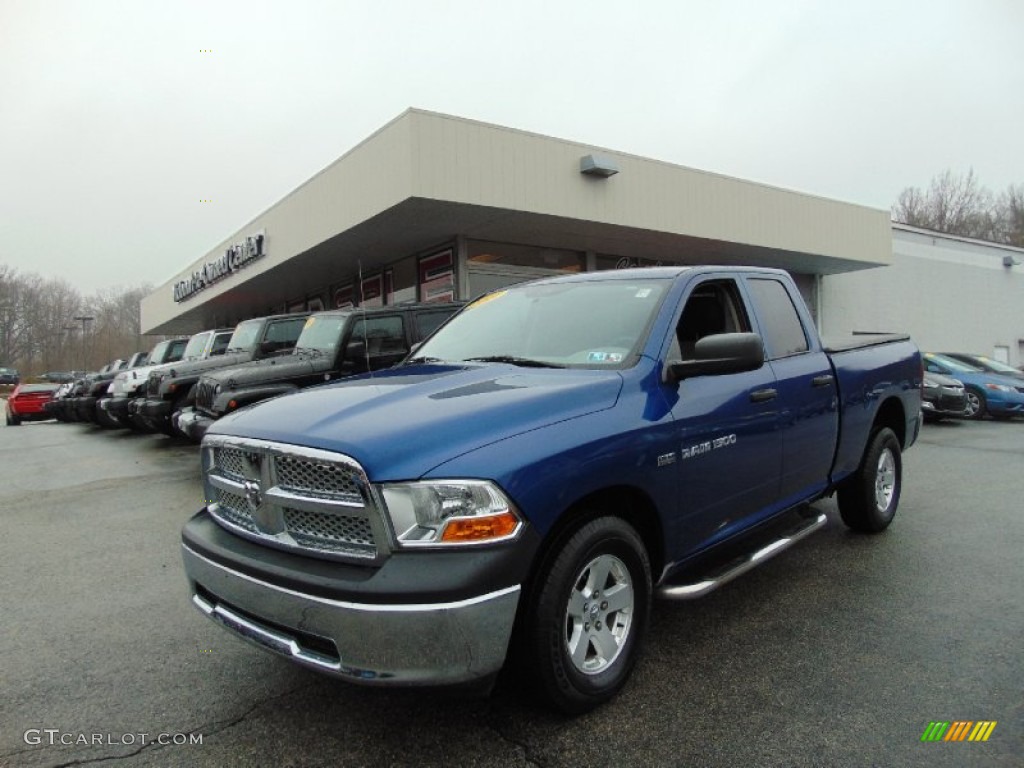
column 1010, row 216
column 117, row 324
column 39, row 330
column 953, row 203
column 17, row 294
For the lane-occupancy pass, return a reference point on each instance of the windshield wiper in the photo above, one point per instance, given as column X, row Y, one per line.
column 311, row 351
column 525, row 362
column 415, row 360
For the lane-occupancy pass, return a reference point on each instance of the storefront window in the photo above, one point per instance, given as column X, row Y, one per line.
column 509, row 254
column 606, row 261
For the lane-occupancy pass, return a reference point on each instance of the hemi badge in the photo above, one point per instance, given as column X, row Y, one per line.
column 665, row 459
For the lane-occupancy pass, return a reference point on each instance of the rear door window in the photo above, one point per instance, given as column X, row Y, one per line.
column 384, row 335
column 428, row 322
column 781, row 329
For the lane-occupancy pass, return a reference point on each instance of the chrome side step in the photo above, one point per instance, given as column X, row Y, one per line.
column 715, row 580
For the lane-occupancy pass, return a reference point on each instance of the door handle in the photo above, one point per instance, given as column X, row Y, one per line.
column 822, row 381
column 763, row 395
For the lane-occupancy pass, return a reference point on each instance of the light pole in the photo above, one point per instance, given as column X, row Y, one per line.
column 84, row 319
column 71, row 337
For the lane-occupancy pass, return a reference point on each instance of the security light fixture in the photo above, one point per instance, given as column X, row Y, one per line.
column 601, row 166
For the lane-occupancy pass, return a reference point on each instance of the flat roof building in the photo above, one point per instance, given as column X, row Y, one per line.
column 433, row 207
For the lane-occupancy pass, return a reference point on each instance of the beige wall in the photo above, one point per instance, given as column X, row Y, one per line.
column 427, row 156
column 950, row 294
column 466, row 161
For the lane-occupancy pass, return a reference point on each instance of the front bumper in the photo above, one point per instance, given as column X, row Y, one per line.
column 156, row 411
column 85, row 408
column 1006, row 408
column 945, row 403
column 192, row 423
column 419, row 619
column 116, row 406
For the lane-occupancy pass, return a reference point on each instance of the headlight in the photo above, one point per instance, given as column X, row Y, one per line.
column 1000, row 387
column 930, row 383
column 216, row 390
column 450, row 512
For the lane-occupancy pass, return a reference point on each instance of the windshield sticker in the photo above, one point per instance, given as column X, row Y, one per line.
column 309, row 322
column 643, row 293
column 604, row 357
column 485, row 299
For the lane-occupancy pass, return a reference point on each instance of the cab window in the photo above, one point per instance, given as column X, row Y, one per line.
column 781, row 329
column 713, row 307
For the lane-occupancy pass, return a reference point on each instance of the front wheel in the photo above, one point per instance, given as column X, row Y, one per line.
column 589, row 615
column 868, row 499
column 976, row 405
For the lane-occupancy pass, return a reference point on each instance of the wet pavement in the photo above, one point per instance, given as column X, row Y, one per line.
column 840, row 651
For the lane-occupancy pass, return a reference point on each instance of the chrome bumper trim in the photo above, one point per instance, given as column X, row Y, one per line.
column 379, row 644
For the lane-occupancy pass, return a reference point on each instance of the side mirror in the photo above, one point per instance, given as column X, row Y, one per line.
column 355, row 351
column 719, row 354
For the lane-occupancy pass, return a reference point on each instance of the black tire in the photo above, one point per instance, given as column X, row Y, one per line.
column 604, row 552
column 976, row 406
column 868, row 500
column 13, row 421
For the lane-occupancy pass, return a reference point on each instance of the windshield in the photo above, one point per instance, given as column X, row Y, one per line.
column 995, row 365
column 590, row 324
column 195, row 347
column 321, row 333
column 954, row 365
column 245, row 335
column 158, row 352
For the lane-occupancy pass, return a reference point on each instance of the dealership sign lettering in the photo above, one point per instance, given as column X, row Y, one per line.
column 234, row 257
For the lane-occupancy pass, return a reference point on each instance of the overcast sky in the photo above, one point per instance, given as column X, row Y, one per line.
column 115, row 121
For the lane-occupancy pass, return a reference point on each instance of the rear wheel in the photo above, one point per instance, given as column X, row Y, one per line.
column 589, row 615
column 13, row 421
column 976, row 406
column 868, row 499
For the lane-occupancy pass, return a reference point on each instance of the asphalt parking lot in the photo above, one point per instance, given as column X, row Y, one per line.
column 839, row 652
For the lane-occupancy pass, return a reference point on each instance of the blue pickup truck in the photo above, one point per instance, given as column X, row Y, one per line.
column 520, row 487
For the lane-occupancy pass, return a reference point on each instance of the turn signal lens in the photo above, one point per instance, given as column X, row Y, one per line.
column 480, row 528
column 431, row 513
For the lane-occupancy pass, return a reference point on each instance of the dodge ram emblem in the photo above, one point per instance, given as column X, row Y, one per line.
column 253, row 494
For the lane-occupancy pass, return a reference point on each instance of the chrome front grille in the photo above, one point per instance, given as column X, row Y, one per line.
column 235, row 510
column 329, row 532
column 205, row 394
column 317, row 478
column 230, row 462
column 294, row 498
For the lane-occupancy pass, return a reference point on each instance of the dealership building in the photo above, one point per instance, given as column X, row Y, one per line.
column 433, row 207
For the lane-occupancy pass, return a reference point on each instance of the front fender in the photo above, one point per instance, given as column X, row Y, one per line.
column 250, row 395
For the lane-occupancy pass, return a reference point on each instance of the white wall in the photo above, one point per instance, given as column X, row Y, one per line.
column 951, row 294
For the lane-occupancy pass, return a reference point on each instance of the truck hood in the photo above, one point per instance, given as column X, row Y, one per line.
column 401, row 423
column 129, row 381
column 198, row 367
column 266, row 370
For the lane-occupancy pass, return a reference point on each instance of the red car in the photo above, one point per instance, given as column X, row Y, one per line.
column 26, row 401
